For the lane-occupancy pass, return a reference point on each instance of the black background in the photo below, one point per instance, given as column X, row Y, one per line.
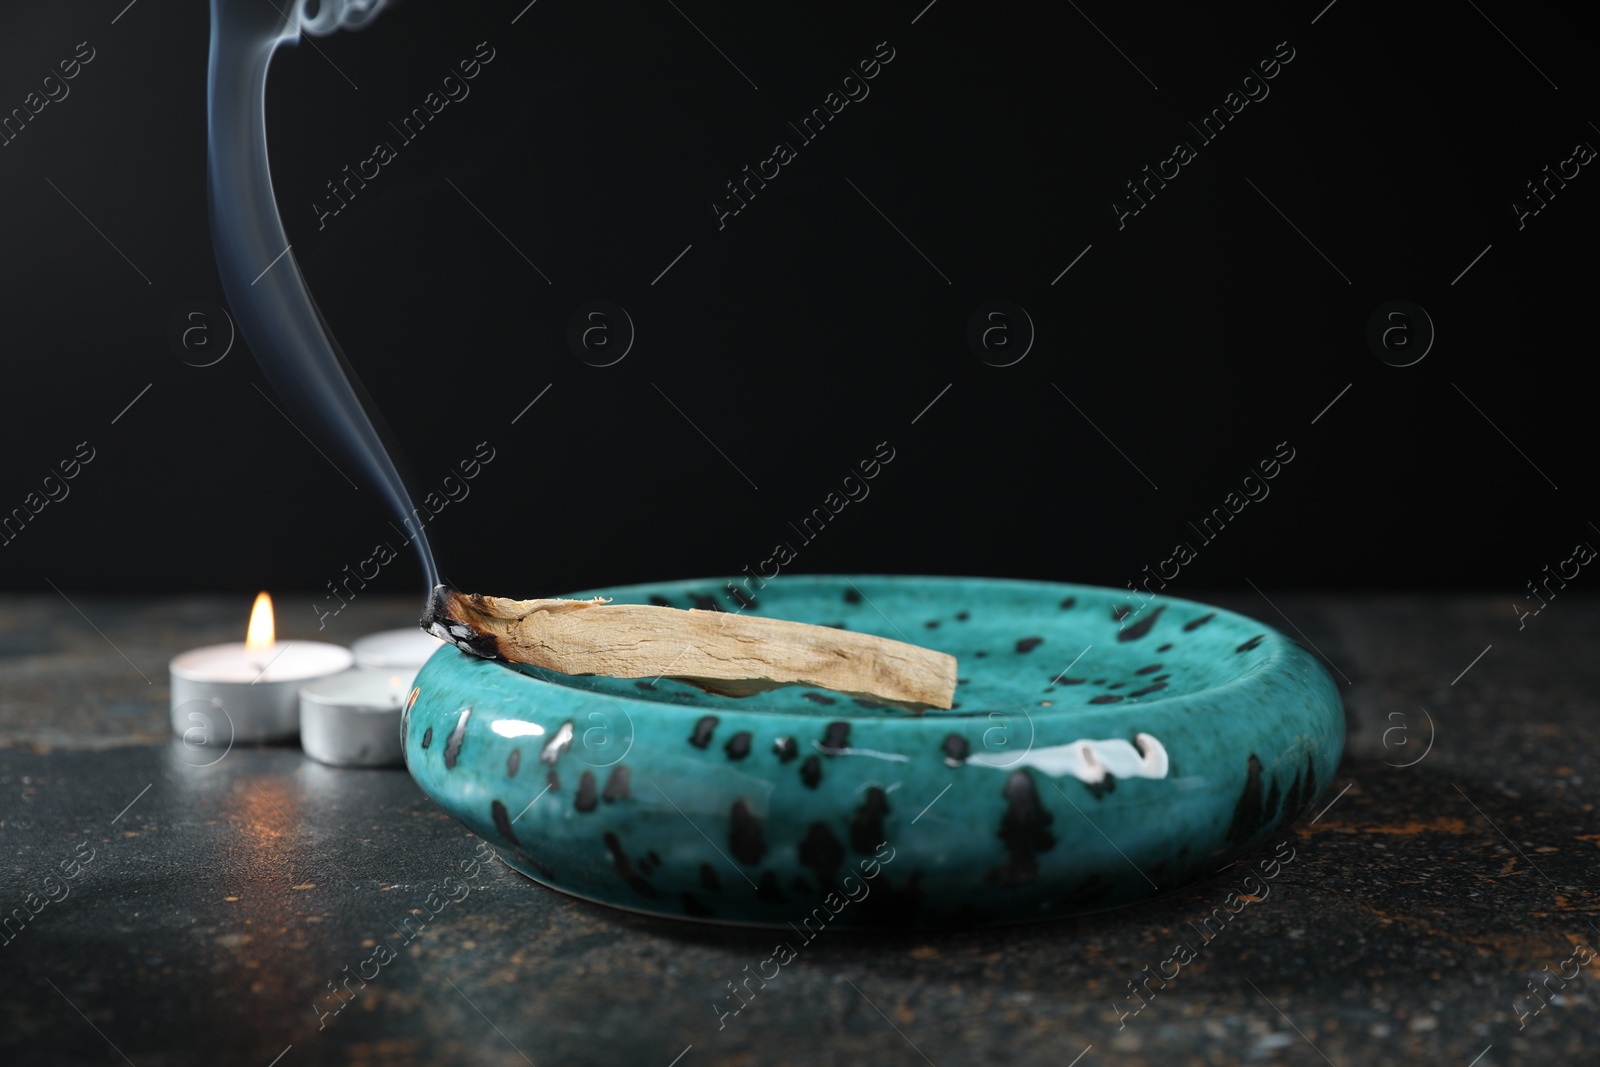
column 808, row 330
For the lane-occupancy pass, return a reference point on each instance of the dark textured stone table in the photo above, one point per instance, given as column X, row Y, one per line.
column 212, row 910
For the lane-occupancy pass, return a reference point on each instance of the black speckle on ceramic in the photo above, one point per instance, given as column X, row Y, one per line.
column 617, row 784
column 811, row 772
column 704, row 727
column 586, row 800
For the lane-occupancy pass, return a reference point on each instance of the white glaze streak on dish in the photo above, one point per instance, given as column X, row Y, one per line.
column 1087, row 760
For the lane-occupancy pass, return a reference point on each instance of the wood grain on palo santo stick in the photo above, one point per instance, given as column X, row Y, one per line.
column 720, row 652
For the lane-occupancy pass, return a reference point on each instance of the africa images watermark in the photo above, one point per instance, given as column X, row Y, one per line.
column 54, row 88
column 1580, row 958
column 852, row 88
column 851, row 488
column 455, row 90
column 1183, row 953
column 1252, row 89
column 783, row 953
column 55, row 490
column 1550, row 183
column 1582, row 554
column 1253, row 488
column 454, row 490
column 432, row 906
column 13, row 924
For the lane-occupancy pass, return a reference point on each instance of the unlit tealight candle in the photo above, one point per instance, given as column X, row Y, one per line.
column 408, row 648
column 353, row 719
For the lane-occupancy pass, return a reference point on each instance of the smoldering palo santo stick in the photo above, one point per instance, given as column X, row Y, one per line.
column 720, row 652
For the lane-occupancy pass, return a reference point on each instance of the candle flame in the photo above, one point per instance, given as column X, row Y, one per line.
column 261, row 634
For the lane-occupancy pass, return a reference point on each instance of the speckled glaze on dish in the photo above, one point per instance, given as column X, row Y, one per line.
column 1101, row 749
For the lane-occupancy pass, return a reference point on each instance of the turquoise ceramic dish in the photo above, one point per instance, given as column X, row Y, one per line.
column 1101, row 750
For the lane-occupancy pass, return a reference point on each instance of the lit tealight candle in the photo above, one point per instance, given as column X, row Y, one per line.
column 353, row 719
column 248, row 691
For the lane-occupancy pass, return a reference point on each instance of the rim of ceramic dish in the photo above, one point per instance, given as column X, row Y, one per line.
column 1282, row 649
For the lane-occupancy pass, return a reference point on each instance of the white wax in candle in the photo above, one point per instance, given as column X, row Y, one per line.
column 361, row 688
column 395, row 648
column 256, row 693
column 353, row 719
column 284, row 661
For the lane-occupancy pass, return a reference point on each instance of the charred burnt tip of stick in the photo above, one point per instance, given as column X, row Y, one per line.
column 441, row 619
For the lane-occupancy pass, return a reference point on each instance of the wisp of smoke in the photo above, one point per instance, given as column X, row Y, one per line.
column 264, row 287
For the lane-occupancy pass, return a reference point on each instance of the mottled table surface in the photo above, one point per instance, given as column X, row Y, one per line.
column 211, row 907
